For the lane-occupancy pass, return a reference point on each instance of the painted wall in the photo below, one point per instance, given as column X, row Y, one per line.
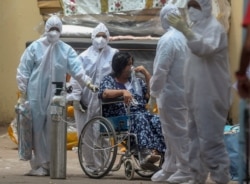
column 18, row 22
column 235, row 43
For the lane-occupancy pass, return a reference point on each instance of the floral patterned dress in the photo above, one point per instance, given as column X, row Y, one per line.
column 146, row 126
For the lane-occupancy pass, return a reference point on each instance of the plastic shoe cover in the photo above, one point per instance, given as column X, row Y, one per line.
column 200, row 180
column 92, row 170
column 161, row 175
column 191, row 182
column 220, row 175
column 179, row 177
column 194, row 182
column 38, row 172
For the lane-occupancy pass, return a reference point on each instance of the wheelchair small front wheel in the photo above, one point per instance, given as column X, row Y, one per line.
column 97, row 148
column 129, row 169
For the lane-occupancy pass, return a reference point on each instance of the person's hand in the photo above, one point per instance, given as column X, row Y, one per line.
column 127, row 96
column 21, row 99
column 92, row 87
column 178, row 23
column 142, row 70
column 243, row 86
column 151, row 104
column 77, row 106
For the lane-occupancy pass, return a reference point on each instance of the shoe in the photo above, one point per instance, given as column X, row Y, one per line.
column 161, row 175
column 152, row 158
column 38, row 172
column 92, row 170
column 155, row 152
column 180, row 177
column 149, row 166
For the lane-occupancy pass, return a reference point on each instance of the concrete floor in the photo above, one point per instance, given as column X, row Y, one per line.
column 12, row 169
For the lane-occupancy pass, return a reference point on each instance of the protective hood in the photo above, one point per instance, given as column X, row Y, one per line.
column 167, row 10
column 53, row 21
column 100, row 28
column 206, row 7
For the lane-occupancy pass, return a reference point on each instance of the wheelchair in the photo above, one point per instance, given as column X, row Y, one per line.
column 98, row 147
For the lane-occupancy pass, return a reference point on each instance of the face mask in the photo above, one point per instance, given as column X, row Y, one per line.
column 99, row 42
column 53, row 36
column 194, row 14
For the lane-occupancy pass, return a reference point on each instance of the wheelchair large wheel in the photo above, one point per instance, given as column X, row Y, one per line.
column 97, row 148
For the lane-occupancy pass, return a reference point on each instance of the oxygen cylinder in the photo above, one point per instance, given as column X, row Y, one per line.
column 58, row 133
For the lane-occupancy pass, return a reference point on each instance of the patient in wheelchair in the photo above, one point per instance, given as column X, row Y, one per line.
column 135, row 92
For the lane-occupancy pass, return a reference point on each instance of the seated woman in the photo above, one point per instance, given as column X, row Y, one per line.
column 146, row 126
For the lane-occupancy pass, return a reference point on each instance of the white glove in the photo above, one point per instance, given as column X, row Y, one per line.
column 92, row 87
column 78, row 106
column 178, row 23
column 22, row 98
column 151, row 104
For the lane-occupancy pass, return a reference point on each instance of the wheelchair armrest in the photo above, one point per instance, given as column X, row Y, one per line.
column 112, row 100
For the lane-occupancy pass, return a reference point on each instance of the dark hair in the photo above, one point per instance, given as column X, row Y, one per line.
column 119, row 62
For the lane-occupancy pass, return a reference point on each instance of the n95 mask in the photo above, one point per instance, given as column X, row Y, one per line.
column 53, row 36
column 99, row 42
column 195, row 14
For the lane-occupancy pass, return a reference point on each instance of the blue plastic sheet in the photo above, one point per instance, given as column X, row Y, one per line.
column 231, row 138
column 243, row 141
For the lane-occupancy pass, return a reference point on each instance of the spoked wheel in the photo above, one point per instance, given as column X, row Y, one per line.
column 97, row 148
column 129, row 169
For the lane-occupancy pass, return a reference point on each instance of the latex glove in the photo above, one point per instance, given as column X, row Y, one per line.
column 22, row 98
column 178, row 23
column 78, row 106
column 92, row 87
column 151, row 104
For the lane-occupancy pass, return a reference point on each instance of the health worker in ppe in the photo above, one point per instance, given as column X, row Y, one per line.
column 167, row 86
column 207, row 88
column 96, row 60
column 46, row 60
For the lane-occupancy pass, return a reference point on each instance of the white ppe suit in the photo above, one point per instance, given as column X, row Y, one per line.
column 207, row 87
column 97, row 64
column 46, row 60
column 96, row 60
column 167, row 86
